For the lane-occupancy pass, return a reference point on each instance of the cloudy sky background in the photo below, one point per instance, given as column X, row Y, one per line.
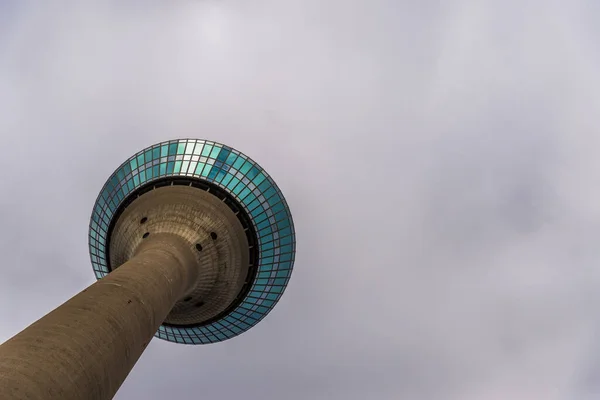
column 440, row 159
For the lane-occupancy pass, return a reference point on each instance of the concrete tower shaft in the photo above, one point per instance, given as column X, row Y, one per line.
column 85, row 348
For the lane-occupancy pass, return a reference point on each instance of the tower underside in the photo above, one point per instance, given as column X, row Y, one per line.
column 212, row 224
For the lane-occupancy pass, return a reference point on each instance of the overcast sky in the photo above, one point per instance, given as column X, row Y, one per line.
column 440, row 159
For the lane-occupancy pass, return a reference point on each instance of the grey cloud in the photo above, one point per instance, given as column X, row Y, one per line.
column 440, row 162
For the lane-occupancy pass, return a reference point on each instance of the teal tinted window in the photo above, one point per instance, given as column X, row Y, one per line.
column 264, row 186
column 258, row 179
column 245, row 192
column 206, row 150
column 170, row 167
column 277, row 207
column 198, row 148
column 233, row 183
column 246, row 167
column 220, row 175
column 206, row 170
column 177, row 168
column 231, row 158
column 238, row 163
column 249, row 198
column 227, row 179
column 282, row 273
column 215, row 152
column 223, row 155
column 254, row 204
column 253, row 172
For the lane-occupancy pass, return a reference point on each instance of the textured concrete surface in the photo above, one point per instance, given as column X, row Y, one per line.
column 85, row 348
column 192, row 214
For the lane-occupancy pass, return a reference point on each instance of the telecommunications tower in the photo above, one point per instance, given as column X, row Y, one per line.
column 191, row 241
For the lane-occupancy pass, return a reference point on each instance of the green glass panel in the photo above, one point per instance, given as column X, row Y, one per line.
column 233, row 183
column 253, row 204
column 215, row 152
column 206, row 170
column 143, row 176
column 238, row 163
column 140, row 160
column 199, row 168
column 155, row 153
column 235, row 329
column 269, row 192
column 249, row 198
column 283, row 273
column 133, row 164
column 230, row 158
column 206, row 150
column 170, row 167
column 177, row 168
column 280, row 281
column 267, row 253
column 189, row 147
column 259, row 215
column 113, row 183
column 277, row 207
column 253, row 172
column 246, row 167
column 267, row 260
column 198, row 148
column 181, row 148
column 163, row 168
column 172, row 149
column 184, row 167
column 236, row 190
column 285, row 257
column 245, row 192
column 237, row 315
column 227, row 179
column 220, row 175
